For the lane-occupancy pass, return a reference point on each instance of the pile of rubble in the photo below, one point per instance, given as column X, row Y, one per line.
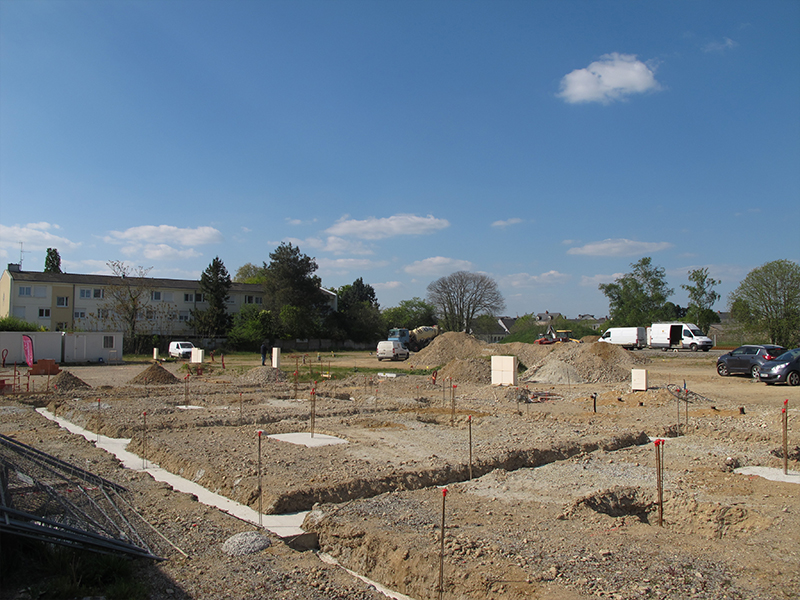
column 67, row 382
column 464, row 358
column 155, row 374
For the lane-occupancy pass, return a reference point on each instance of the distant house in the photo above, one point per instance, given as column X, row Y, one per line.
column 76, row 302
column 547, row 317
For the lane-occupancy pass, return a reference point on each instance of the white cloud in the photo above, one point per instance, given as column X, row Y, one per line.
column 34, row 236
column 333, row 244
column 167, row 252
column 619, row 247
column 518, row 280
column 437, row 265
column 377, row 229
column 726, row 44
column 595, row 280
column 613, row 77
column 507, row 222
column 165, row 234
column 388, row 285
column 345, row 265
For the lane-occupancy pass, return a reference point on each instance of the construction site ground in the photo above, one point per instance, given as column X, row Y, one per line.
column 551, row 491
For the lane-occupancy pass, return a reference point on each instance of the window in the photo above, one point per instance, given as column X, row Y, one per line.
column 155, row 296
column 80, row 313
column 62, row 301
column 108, row 341
column 193, row 297
column 62, row 326
column 84, row 293
column 39, row 291
column 166, row 296
column 183, row 316
column 44, row 313
column 98, row 293
column 252, row 299
column 102, row 313
column 25, row 290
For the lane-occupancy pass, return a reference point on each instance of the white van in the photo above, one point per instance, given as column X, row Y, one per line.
column 678, row 336
column 392, row 351
column 180, row 349
column 627, row 337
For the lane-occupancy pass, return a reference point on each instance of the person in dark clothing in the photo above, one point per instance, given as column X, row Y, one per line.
column 264, row 354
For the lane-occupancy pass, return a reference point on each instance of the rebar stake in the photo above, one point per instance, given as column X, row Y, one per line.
column 144, row 440
column 441, row 548
column 785, row 427
column 469, row 421
column 659, row 444
column 259, row 476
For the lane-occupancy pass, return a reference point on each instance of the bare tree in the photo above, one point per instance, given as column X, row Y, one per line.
column 461, row 296
column 127, row 300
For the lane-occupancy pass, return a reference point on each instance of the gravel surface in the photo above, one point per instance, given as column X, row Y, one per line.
column 561, row 506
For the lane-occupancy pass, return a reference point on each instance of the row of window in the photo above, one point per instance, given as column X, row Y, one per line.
column 98, row 294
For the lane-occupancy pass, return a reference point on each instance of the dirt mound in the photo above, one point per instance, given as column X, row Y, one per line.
column 447, row 347
column 529, row 355
column 154, row 374
column 584, row 363
column 261, row 376
column 473, row 370
column 66, row 381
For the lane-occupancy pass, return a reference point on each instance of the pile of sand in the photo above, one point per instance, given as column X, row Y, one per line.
column 155, row 374
column 584, row 363
column 66, row 381
column 448, row 347
column 472, row 370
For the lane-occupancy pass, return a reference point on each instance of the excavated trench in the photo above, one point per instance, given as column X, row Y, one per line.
column 245, row 490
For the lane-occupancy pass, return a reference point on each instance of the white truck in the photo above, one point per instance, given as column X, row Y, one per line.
column 677, row 336
column 628, row 337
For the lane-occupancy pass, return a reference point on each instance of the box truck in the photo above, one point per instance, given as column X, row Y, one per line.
column 627, row 337
column 678, row 336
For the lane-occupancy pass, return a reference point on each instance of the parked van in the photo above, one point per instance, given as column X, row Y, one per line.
column 678, row 336
column 180, row 349
column 627, row 337
column 392, row 351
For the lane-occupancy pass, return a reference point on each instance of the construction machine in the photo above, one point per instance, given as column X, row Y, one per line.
column 414, row 339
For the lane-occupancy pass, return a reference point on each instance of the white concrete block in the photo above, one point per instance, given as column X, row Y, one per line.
column 639, row 380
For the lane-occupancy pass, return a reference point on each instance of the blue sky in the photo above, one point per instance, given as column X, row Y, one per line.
column 547, row 144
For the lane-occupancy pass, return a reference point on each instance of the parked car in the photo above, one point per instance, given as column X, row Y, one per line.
column 747, row 359
column 785, row 368
column 392, row 351
column 180, row 349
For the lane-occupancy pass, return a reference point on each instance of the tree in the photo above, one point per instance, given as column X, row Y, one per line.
column 702, row 298
column 293, row 292
column 52, row 262
column 251, row 326
column 410, row 314
column 250, row 273
column 359, row 316
column 462, row 296
column 638, row 298
column 215, row 285
column 127, row 299
column 767, row 301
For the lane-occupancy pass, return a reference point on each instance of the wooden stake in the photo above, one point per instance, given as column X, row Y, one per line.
column 469, row 420
column 785, row 427
column 659, row 444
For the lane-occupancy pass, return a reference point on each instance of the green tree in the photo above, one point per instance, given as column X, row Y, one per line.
column 250, row 273
column 462, row 296
column 215, row 285
column 702, row 298
column 52, row 262
column 410, row 314
column 359, row 315
column 251, row 326
column 638, row 298
column 293, row 292
column 767, row 301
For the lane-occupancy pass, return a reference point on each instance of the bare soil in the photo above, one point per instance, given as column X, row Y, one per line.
column 558, row 501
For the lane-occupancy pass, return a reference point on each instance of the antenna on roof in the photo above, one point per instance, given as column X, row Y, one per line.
column 21, row 252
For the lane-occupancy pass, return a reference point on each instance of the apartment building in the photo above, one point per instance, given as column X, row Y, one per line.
column 75, row 302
